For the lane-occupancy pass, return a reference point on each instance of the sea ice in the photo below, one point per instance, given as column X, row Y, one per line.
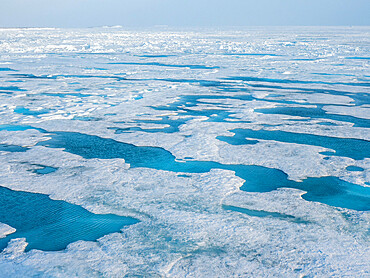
column 181, row 94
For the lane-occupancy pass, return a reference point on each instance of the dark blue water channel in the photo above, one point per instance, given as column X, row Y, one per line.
column 328, row 190
column 51, row 225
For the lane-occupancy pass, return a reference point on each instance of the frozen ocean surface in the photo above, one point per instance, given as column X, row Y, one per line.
column 185, row 153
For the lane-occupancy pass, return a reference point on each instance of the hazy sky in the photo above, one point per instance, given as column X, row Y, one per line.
column 88, row 13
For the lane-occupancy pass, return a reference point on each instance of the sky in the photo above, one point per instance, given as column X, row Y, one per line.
column 182, row 13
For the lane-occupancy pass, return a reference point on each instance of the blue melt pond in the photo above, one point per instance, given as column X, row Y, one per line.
column 86, row 119
column 354, row 168
column 28, row 112
column 51, row 225
column 11, row 88
column 349, row 147
column 12, row 148
column 165, row 65
column 44, row 170
column 6, row 69
column 328, row 190
column 214, row 115
column 314, row 113
column 18, row 128
column 262, row 214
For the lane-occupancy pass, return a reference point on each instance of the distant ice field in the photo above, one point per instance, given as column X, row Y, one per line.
column 185, row 153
